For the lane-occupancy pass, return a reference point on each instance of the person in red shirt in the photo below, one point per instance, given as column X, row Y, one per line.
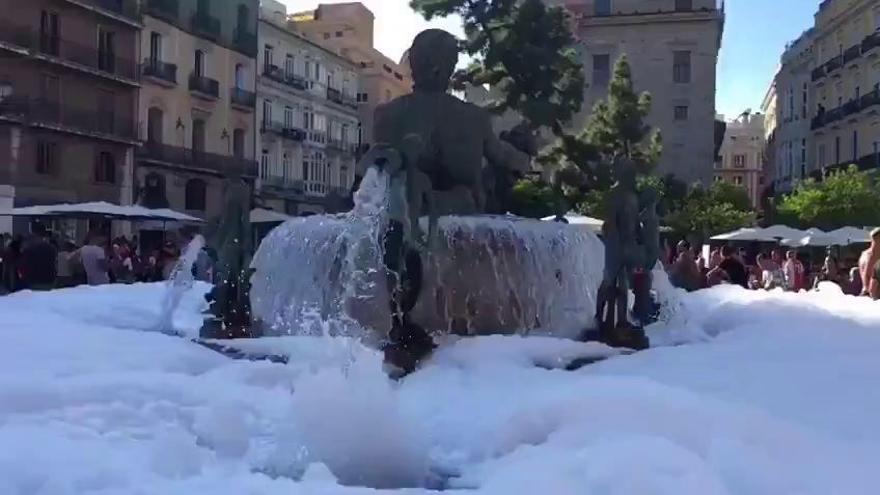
column 795, row 277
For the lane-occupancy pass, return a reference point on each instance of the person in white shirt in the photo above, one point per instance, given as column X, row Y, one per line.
column 94, row 260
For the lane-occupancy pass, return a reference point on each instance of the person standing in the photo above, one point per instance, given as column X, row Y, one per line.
column 794, row 272
column 93, row 257
column 868, row 263
column 734, row 268
column 830, row 272
column 64, row 266
column 39, row 261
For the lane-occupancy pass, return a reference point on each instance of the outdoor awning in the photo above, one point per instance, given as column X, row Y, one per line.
column 261, row 215
column 103, row 210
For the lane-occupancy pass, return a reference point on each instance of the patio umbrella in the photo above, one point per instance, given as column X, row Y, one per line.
column 851, row 235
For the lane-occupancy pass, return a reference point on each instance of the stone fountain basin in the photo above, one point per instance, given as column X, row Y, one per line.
column 485, row 275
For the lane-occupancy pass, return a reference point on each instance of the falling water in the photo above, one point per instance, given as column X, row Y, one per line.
column 179, row 282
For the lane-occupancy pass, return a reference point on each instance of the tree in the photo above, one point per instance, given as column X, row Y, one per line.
column 532, row 198
column 523, row 48
column 615, row 129
column 707, row 212
column 847, row 197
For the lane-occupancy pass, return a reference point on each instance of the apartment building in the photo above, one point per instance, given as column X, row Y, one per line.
column 348, row 29
column 742, row 155
column 845, row 80
column 792, row 113
column 197, row 102
column 68, row 103
column 308, row 115
column 672, row 46
column 769, row 107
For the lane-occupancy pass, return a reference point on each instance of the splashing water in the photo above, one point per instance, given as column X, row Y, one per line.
column 179, row 282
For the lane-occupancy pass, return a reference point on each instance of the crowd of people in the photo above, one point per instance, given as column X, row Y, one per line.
column 773, row 269
column 45, row 261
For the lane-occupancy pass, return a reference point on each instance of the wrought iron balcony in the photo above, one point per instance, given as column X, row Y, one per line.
column 294, row 133
column 852, row 53
column 67, row 117
column 160, row 70
column 185, row 157
column 334, row 95
column 295, row 81
column 870, row 99
column 204, row 24
column 243, row 98
column 818, row 73
column 286, row 131
column 245, row 41
column 834, row 64
column 870, row 42
column 204, row 86
column 165, row 9
column 272, row 126
column 850, row 107
column 833, row 115
column 273, row 72
column 63, row 50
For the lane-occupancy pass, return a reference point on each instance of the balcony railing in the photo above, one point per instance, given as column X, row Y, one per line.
column 226, row 165
column 166, row 9
column 204, row 85
column 818, row 73
column 834, row 64
column 67, row 117
column 160, row 70
column 284, row 130
column 294, row 133
column 53, row 46
column 334, row 95
column 245, row 41
column 273, row 72
column 295, row 81
column 206, row 25
column 850, row 107
column 280, row 182
column 870, row 42
column 243, row 98
column 870, row 99
column 852, row 53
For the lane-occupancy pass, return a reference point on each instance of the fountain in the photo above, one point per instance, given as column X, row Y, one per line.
column 418, row 255
column 179, row 282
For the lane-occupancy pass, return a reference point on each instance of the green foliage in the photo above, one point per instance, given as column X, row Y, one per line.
column 525, row 49
column 533, row 199
column 703, row 213
column 847, row 197
column 615, row 129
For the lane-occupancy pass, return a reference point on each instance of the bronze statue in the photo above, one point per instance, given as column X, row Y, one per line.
column 631, row 249
column 437, row 145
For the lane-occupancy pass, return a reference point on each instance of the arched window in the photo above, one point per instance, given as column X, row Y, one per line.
column 154, row 191
column 105, row 168
column 155, row 118
column 196, row 190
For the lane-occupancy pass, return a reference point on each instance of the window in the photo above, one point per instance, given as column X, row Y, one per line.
column 267, row 112
column 821, row 156
column 288, row 117
column 855, row 145
column 681, row 66
column 717, row 178
column 198, row 135
column 47, row 158
column 858, row 92
column 289, row 67
column 837, row 149
column 790, row 114
column 362, row 98
column 601, row 69
column 199, row 64
column 308, row 120
column 239, row 76
column 105, row 168
column 195, row 192
column 238, row 143
column 739, row 161
column 50, row 37
column 154, row 125
column 684, row 5
column 339, row 34
column 155, row 48
column 602, row 7
column 803, row 157
column 268, row 52
column 326, row 36
column 264, row 164
column 738, row 180
column 305, row 167
column 804, row 93
column 50, row 88
column 106, row 50
column 286, row 166
column 6, row 90
column 681, row 112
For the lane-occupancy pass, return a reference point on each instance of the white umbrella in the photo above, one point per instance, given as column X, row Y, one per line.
column 851, row 235
column 812, row 239
column 101, row 209
column 590, row 223
column 783, row 232
column 745, row 234
column 262, row 215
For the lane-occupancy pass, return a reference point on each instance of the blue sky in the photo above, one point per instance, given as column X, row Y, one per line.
column 754, row 37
